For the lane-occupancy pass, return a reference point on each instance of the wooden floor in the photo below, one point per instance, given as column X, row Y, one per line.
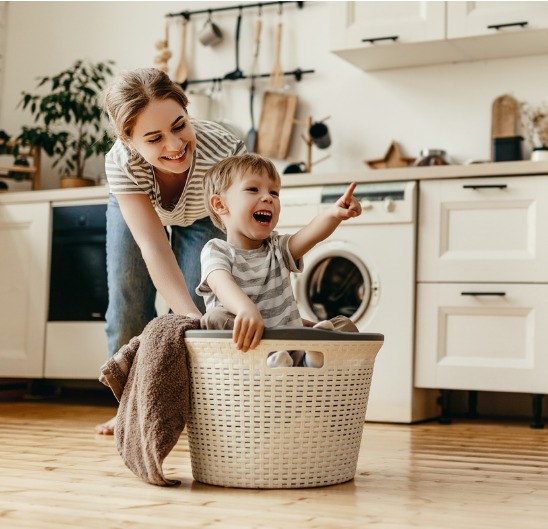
column 55, row 473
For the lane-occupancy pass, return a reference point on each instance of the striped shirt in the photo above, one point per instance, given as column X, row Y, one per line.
column 263, row 275
column 129, row 174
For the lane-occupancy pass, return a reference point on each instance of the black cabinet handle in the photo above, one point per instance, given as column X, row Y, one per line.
column 483, row 294
column 511, row 24
column 484, row 186
column 377, row 39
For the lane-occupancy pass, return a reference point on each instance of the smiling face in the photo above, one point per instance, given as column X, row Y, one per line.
column 164, row 137
column 249, row 209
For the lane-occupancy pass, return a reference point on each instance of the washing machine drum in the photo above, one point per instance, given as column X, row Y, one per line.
column 333, row 285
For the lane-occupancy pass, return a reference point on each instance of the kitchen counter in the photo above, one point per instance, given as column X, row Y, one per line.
column 521, row 168
column 55, row 195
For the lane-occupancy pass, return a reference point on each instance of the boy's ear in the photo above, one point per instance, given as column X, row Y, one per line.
column 217, row 204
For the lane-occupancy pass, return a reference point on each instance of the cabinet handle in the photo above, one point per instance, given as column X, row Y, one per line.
column 485, row 186
column 483, row 293
column 372, row 41
column 511, row 24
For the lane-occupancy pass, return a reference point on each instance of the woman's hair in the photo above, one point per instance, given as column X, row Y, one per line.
column 221, row 176
column 132, row 91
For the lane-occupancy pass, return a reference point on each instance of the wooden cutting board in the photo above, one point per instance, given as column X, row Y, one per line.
column 276, row 124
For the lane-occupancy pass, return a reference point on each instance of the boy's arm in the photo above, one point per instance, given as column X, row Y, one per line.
column 324, row 224
column 248, row 323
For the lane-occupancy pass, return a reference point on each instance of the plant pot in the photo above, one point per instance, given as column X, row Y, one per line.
column 540, row 154
column 73, row 181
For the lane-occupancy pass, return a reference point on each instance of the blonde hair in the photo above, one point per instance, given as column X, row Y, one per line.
column 221, row 176
column 132, row 91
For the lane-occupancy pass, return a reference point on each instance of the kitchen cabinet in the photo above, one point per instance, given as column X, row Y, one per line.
column 403, row 34
column 482, row 290
column 475, row 19
column 24, row 243
column 386, row 21
column 482, row 336
column 483, row 230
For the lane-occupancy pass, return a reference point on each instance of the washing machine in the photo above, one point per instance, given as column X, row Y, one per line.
column 366, row 271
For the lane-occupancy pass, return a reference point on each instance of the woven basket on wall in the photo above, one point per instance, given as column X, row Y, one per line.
column 256, row 427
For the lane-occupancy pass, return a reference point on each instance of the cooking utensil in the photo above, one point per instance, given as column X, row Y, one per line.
column 277, row 75
column 237, row 73
column 210, row 34
column 251, row 138
column 181, row 74
column 276, row 124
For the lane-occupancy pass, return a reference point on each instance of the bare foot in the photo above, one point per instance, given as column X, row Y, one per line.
column 107, row 428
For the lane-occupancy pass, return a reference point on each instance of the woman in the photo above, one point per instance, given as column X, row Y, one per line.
column 155, row 171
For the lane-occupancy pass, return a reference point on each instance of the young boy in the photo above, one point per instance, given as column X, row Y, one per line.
column 246, row 281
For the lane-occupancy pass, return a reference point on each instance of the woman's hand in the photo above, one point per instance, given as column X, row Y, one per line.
column 248, row 328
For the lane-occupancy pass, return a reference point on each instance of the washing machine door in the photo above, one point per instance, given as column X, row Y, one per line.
column 335, row 282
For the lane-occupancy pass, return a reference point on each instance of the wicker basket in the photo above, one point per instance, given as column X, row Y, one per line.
column 253, row 426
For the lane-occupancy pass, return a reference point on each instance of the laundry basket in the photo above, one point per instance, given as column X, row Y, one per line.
column 253, row 426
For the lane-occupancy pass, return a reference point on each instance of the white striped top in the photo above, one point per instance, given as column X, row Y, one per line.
column 263, row 275
column 129, row 174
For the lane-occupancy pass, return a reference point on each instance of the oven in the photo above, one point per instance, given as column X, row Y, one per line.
column 78, row 295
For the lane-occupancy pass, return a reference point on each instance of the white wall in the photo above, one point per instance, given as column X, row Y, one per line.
column 446, row 106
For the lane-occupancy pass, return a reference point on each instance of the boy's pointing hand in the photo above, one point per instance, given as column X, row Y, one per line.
column 348, row 206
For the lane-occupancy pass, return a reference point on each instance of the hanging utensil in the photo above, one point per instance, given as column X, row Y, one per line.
column 237, row 73
column 165, row 53
column 277, row 75
column 251, row 138
column 181, row 74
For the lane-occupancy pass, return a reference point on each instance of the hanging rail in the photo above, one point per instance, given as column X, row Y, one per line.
column 188, row 14
column 298, row 73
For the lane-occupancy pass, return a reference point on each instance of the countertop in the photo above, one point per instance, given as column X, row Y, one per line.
column 521, row 168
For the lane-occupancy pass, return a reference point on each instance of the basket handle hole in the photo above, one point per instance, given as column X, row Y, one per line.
column 313, row 359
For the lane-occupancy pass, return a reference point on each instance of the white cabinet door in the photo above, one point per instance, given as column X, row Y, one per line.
column 485, row 337
column 484, row 229
column 383, row 35
column 24, row 258
column 357, row 22
column 472, row 19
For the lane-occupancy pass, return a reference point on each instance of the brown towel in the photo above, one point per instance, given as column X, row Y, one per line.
column 154, row 400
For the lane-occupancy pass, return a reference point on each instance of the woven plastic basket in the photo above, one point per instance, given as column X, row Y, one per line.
column 253, row 426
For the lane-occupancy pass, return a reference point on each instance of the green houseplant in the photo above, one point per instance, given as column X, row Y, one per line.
column 70, row 118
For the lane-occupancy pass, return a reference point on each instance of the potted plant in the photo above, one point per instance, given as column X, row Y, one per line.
column 71, row 126
column 534, row 122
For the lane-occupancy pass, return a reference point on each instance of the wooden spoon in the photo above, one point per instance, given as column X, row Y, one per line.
column 181, row 74
column 277, row 75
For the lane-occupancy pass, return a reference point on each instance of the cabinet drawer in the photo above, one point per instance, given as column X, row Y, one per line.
column 495, row 340
column 484, row 229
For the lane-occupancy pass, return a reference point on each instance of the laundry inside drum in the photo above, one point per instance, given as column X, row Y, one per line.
column 338, row 286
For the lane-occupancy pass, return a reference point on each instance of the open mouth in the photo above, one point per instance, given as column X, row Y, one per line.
column 263, row 217
column 178, row 156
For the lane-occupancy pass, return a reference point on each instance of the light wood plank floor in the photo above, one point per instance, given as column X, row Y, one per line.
column 55, row 473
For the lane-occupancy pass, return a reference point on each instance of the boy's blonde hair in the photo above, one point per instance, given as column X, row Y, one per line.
column 221, row 176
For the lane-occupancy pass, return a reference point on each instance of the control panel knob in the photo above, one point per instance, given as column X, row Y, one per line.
column 389, row 205
column 366, row 204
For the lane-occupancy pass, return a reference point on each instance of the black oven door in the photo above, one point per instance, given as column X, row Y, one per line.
column 78, row 280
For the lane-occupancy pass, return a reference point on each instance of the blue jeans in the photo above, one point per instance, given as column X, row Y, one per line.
column 131, row 293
